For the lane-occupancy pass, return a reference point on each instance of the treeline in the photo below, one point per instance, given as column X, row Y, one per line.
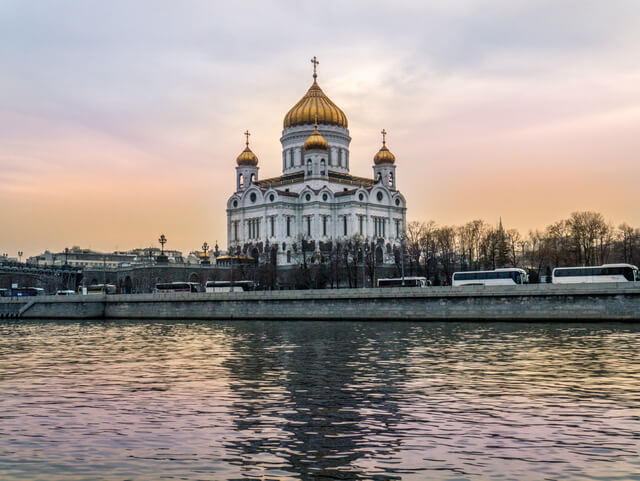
column 585, row 238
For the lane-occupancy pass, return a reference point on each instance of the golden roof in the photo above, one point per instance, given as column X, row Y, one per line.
column 384, row 155
column 316, row 140
column 315, row 104
column 247, row 158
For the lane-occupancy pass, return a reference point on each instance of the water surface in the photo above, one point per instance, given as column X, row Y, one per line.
column 319, row 400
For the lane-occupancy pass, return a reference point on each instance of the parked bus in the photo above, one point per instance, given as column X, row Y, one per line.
column 170, row 287
column 604, row 273
column 406, row 282
column 65, row 292
column 226, row 286
column 99, row 289
column 498, row 277
column 27, row 291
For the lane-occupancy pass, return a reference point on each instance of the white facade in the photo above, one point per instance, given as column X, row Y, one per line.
column 315, row 200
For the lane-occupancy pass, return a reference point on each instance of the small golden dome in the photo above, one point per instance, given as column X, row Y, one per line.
column 384, row 155
column 316, row 141
column 315, row 105
column 247, row 158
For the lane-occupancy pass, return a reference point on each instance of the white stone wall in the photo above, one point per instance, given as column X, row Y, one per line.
column 292, row 141
column 251, row 208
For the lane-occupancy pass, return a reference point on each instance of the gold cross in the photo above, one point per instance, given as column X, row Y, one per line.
column 247, row 134
column 315, row 63
column 384, row 135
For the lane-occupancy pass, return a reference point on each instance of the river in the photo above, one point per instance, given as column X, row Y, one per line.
column 319, row 400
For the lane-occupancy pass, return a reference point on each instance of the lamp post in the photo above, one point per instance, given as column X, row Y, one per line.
column 402, row 240
column 522, row 244
column 162, row 258
column 365, row 256
column 205, row 259
column 163, row 241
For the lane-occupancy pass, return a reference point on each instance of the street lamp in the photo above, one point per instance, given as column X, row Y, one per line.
column 163, row 241
column 522, row 245
column 162, row 258
column 402, row 241
column 205, row 258
column 365, row 255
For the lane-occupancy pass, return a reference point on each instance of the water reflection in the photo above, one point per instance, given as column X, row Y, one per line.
column 318, row 400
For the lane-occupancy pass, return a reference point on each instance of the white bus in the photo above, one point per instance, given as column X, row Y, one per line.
column 171, row 287
column 408, row 282
column 228, row 286
column 98, row 289
column 499, row 277
column 604, row 273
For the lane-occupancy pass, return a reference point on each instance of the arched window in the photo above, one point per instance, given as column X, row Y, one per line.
column 252, row 179
column 322, row 167
column 379, row 178
column 390, row 179
column 241, row 180
column 309, row 166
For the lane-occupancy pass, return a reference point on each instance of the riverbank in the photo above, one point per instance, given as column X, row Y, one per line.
column 611, row 302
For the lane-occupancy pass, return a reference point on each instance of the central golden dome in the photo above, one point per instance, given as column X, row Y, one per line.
column 315, row 104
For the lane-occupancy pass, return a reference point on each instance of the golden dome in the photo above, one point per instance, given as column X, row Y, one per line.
column 315, row 104
column 384, row 155
column 247, row 158
column 316, row 141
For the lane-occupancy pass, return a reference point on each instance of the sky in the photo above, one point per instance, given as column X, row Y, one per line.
column 121, row 121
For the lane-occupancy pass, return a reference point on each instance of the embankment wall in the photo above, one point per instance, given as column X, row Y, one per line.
column 544, row 302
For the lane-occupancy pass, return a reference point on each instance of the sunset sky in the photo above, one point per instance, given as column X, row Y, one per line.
column 122, row 120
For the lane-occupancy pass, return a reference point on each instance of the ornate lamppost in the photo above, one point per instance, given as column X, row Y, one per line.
column 205, row 258
column 162, row 258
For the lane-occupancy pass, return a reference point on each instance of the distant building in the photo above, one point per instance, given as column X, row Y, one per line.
column 89, row 259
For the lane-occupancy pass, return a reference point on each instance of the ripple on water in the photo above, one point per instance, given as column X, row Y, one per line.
column 318, row 400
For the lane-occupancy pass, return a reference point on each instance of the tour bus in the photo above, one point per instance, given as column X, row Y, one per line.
column 98, row 289
column 226, row 286
column 65, row 292
column 406, row 282
column 604, row 273
column 27, row 291
column 170, row 287
column 498, row 277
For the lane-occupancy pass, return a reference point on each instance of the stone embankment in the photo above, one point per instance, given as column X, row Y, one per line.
column 537, row 302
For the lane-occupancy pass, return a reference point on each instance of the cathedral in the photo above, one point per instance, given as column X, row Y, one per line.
column 316, row 203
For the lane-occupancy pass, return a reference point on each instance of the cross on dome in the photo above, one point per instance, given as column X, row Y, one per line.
column 247, row 157
column 384, row 136
column 315, row 63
